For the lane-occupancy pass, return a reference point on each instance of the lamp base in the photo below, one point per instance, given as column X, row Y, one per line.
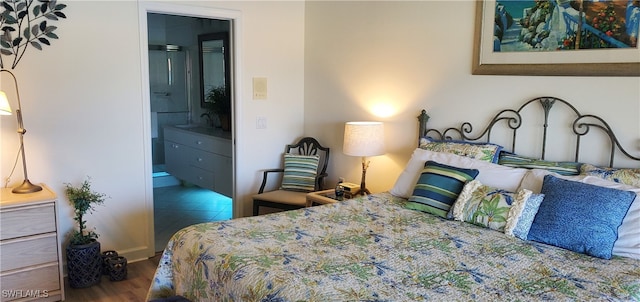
column 362, row 192
column 26, row 187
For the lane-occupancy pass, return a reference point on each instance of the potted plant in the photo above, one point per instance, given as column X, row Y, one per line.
column 219, row 103
column 84, row 263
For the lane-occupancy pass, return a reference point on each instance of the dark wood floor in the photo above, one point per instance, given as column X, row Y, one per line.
column 132, row 289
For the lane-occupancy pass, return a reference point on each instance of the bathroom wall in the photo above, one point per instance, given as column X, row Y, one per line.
column 174, row 74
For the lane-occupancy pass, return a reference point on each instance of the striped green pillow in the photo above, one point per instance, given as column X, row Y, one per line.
column 518, row 161
column 438, row 188
column 300, row 172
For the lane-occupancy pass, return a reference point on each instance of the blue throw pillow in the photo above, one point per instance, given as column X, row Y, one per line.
column 580, row 217
column 523, row 225
column 438, row 188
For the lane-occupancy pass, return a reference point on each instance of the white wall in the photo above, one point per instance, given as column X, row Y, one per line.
column 417, row 55
column 82, row 99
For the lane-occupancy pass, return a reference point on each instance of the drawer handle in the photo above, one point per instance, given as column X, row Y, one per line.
column 199, row 142
column 199, row 159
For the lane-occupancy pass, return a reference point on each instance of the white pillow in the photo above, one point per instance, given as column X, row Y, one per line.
column 628, row 243
column 534, row 177
column 497, row 176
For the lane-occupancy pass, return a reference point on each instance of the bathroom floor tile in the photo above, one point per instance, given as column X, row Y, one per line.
column 176, row 207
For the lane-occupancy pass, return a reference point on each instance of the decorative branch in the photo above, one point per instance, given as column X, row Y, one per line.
column 24, row 23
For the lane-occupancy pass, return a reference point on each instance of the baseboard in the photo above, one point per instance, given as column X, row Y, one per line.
column 135, row 254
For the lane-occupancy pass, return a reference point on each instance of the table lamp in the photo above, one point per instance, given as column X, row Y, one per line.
column 5, row 109
column 363, row 139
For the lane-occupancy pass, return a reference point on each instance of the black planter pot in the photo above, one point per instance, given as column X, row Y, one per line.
column 84, row 264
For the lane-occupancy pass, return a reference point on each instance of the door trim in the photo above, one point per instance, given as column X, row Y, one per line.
column 236, row 37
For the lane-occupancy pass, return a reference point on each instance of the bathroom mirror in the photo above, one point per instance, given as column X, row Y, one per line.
column 214, row 55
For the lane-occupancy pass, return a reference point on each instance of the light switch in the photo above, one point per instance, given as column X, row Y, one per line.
column 261, row 122
column 259, row 88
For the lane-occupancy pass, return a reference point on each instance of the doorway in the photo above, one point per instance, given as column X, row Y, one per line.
column 175, row 101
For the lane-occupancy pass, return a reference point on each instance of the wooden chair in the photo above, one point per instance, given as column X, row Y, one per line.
column 290, row 199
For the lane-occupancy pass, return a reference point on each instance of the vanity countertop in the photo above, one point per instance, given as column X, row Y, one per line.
column 206, row 130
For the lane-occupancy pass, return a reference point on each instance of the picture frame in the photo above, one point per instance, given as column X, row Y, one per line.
column 584, row 62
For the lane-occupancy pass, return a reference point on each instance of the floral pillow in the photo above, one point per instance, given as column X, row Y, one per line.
column 624, row 176
column 481, row 151
column 489, row 207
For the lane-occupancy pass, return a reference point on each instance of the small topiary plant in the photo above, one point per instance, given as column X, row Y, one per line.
column 83, row 199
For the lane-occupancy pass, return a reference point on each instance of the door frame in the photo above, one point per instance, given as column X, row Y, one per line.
column 235, row 37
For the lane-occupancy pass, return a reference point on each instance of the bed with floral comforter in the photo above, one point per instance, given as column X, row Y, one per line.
column 373, row 249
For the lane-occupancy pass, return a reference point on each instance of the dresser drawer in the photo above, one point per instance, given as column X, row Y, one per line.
column 201, row 178
column 26, row 221
column 28, row 251
column 203, row 160
column 42, row 279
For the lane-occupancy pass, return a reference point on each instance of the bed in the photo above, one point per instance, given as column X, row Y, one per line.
column 497, row 240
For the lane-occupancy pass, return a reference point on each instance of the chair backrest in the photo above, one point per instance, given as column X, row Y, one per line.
column 310, row 146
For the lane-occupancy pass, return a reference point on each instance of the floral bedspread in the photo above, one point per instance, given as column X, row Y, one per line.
column 372, row 249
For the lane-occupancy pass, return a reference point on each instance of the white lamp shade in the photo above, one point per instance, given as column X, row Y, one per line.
column 363, row 139
column 5, row 109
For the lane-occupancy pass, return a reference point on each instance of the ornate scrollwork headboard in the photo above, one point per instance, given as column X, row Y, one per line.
column 513, row 120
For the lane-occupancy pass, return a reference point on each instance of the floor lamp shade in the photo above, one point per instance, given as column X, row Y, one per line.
column 363, row 139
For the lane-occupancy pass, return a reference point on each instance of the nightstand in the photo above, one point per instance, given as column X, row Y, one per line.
column 323, row 197
column 31, row 261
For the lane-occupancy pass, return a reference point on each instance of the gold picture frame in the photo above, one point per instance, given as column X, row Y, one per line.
column 590, row 62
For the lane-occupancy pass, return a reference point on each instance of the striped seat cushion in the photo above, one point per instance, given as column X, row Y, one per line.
column 300, row 172
column 438, row 188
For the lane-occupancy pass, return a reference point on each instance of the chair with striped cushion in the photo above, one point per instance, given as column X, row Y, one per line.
column 305, row 167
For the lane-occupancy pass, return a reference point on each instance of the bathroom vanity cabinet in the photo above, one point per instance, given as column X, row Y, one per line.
column 201, row 156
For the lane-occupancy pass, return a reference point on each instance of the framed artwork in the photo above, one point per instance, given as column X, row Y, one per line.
column 518, row 37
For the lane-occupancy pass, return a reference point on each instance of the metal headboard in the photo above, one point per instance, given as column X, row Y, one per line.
column 513, row 120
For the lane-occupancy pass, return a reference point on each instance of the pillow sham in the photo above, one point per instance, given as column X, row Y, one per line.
column 580, row 217
column 622, row 175
column 476, row 150
column 489, row 207
column 300, row 172
column 628, row 243
column 518, row 161
column 519, row 225
column 494, row 175
column 438, row 187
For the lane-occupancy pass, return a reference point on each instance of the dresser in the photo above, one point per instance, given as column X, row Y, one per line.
column 200, row 157
column 30, row 254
